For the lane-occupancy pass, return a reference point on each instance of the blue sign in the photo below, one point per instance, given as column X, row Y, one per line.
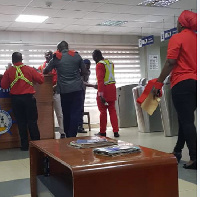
column 146, row 41
column 4, row 93
column 168, row 34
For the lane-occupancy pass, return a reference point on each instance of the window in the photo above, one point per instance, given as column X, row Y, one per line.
column 125, row 58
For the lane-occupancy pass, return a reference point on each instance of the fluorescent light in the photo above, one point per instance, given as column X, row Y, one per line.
column 112, row 23
column 31, row 18
column 157, row 3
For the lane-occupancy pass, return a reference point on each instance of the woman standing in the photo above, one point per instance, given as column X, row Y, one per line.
column 182, row 64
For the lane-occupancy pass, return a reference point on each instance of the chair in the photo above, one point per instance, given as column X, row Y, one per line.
column 88, row 116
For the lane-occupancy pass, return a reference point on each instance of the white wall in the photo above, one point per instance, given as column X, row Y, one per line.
column 54, row 38
column 158, row 48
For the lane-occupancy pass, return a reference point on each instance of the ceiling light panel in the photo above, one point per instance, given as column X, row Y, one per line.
column 157, row 3
column 31, row 18
column 112, row 23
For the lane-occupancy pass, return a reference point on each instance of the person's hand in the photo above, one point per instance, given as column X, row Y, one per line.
column 157, row 89
column 100, row 94
column 103, row 101
column 96, row 86
column 54, row 89
column 156, row 93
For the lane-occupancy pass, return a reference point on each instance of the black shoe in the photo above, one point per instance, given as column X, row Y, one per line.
column 191, row 166
column 100, row 134
column 81, row 130
column 62, row 135
column 116, row 134
column 24, row 149
column 178, row 156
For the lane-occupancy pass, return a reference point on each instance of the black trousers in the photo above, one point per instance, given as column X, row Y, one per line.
column 184, row 96
column 71, row 107
column 82, row 109
column 25, row 111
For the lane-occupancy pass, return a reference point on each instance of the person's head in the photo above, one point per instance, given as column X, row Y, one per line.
column 16, row 57
column 62, row 45
column 48, row 55
column 97, row 55
column 87, row 63
column 187, row 20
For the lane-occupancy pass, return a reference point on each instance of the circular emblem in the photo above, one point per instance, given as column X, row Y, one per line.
column 5, row 122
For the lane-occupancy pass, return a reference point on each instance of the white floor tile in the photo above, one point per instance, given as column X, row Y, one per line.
column 12, row 170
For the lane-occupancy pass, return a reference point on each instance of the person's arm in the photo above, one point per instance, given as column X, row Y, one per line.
column 37, row 77
column 5, row 82
column 168, row 67
column 172, row 56
column 90, row 85
column 100, row 73
column 50, row 66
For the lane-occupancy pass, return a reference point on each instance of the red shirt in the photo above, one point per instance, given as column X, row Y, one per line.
column 183, row 48
column 53, row 73
column 21, row 87
column 109, row 91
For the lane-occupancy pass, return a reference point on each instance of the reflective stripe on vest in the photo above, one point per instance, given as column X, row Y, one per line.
column 109, row 75
column 20, row 75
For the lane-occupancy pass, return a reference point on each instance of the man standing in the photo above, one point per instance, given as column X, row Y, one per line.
column 20, row 78
column 68, row 64
column 106, row 95
column 86, row 84
column 56, row 96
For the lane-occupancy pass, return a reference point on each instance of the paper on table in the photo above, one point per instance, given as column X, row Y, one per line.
column 150, row 104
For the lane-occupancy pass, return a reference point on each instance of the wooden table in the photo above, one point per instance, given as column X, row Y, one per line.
column 150, row 173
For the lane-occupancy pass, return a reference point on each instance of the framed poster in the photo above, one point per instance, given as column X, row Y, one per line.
column 153, row 62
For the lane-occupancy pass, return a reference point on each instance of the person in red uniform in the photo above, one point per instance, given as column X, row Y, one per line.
column 23, row 102
column 48, row 56
column 106, row 95
column 56, row 96
column 182, row 64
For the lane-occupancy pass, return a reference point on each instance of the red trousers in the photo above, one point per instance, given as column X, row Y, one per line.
column 103, row 115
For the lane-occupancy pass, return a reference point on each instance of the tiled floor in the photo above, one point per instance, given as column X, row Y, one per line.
column 15, row 169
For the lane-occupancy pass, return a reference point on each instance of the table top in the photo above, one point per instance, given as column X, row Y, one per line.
column 77, row 159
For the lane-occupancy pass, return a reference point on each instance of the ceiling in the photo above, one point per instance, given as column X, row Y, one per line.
column 82, row 16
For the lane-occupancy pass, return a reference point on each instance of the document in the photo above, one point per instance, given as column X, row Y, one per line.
column 150, row 104
column 92, row 143
column 117, row 150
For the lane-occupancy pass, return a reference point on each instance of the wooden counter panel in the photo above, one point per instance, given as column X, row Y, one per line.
column 44, row 92
column 46, row 120
column 44, row 98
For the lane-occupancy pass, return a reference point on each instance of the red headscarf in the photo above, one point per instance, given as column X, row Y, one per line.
column 188, row 19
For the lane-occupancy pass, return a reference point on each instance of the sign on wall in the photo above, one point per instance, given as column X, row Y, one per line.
column 168, row 34
column 146, row 41
column 153, row 62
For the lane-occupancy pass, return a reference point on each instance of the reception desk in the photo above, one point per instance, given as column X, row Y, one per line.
column 9, row 136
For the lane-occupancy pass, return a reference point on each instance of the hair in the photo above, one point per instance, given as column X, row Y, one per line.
column 49, row 53
column 62, row 45
column 16, row 57
column 97, row 54
column 86, row 61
